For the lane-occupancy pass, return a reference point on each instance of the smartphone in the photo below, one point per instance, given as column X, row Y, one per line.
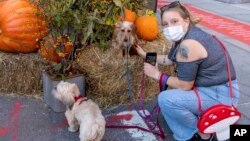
column 151, row 58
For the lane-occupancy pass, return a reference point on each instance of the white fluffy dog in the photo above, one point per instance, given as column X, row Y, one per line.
column 81, row 112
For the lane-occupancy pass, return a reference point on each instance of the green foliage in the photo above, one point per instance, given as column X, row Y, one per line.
column 86, row 21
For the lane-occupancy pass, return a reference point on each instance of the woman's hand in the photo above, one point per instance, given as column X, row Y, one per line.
column 140, row 51
column 152, row 71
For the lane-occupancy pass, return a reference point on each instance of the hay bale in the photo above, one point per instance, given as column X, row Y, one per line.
column 105, row 74
column 21, row 73
column 106, row 77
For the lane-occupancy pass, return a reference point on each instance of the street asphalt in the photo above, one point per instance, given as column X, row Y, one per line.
column 29, row 119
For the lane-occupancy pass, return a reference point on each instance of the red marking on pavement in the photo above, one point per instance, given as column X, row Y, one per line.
column 228, row 27
column 60, row 125
column 113, row 118
column 4, row 131
column 14, row 122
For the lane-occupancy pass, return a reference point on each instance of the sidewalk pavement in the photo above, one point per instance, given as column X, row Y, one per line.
column 28, row 119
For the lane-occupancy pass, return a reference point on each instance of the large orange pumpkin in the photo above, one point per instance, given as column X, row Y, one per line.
column 21, row 25
column 147, row 27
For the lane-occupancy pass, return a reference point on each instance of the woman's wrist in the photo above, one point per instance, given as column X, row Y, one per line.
column 159, row 77
column 163, row 81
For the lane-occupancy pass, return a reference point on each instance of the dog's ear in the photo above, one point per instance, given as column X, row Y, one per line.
column 115, row 36
column 134, row 34
column 134, row 30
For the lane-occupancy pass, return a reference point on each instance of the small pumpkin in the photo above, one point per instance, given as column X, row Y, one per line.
column 129, row 16
column 21, row 25
column 55, row 50
column 47, row 50
column 147, row 27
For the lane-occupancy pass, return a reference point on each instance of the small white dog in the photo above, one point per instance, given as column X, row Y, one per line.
column 81, row 112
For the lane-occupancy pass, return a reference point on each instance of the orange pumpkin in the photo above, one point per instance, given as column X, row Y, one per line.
column 21, row 25
column 130, row 16
column 47, row 50
column 147, row 27
column 55, row 50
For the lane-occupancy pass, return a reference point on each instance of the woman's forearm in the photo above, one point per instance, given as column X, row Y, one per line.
column 174, row 82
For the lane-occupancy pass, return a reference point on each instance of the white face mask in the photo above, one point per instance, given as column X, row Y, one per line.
column 174, row 33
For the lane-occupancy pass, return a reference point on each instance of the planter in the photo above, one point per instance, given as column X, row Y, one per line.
column 49, row 84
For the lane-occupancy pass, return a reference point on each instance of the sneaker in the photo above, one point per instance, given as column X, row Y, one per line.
column 194, row 138
column 197, row 137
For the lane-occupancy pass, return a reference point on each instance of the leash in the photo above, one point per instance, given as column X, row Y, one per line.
column 129, row 83
column 148, row 119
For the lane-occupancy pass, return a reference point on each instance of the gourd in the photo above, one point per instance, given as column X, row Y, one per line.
column 22, row 24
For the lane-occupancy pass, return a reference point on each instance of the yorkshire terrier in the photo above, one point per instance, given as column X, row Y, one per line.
column 125, row 38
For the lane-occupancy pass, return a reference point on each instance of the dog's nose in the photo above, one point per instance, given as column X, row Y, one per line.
column 125, row 40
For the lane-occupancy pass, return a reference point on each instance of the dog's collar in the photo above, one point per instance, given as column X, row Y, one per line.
column 80, row 97
column 77, row 98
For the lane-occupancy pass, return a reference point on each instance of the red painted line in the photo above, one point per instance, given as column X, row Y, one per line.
column 161, row 3
column 113, row 118
column 14, row 121
column 223, row 25
column 4, row 131
column 231, row 28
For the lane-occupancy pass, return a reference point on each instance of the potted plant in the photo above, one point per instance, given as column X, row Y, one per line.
column 60, row 48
